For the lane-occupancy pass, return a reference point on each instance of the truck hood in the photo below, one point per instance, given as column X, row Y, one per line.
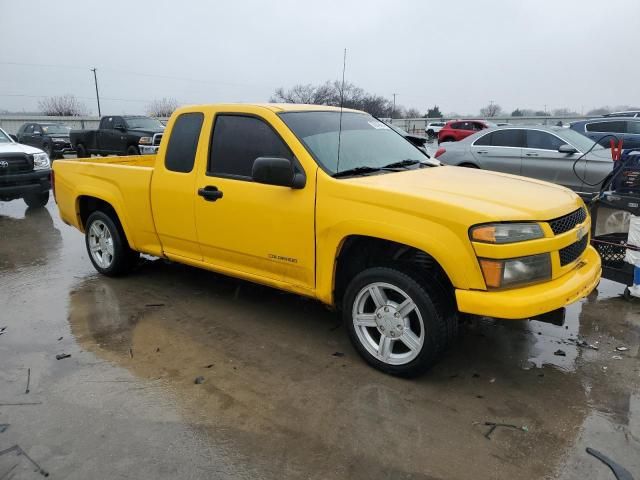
column 145, row 131
column 479, row 195
column 18, row 148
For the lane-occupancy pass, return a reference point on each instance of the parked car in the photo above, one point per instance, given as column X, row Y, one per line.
column 25, row 172
column 456, row 130
column 119, row 135
column 626, row 113
column 399, row 245
column 417, row 140
column 433, row 128
column 602, row 130
column 53, row 138
column 545, row 153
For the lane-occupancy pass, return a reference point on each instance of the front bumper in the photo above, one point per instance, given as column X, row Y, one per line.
column 526, row 302
column 18, row 184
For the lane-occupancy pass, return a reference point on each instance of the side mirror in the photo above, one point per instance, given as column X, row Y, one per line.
column 277, row 171
column 119, row 126
column 568, row 149
column 37, row 134
column 13, row 137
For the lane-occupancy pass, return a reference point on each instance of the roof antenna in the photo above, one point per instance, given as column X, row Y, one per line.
column 344, row 66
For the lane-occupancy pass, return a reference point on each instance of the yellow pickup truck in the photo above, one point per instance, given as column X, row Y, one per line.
column 339, row 207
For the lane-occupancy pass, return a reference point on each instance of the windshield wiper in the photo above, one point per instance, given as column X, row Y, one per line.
column 356, row 171
column 403, row 164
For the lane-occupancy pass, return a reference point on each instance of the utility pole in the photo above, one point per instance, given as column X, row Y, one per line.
column 393, row 109
column 95, row 79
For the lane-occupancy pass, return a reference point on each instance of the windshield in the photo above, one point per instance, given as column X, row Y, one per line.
column 144, row 123
column 364, row 141
column 4, row 138
column 54, row 129
column 576, row 139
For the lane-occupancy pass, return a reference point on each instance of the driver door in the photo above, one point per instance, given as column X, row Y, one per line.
column 262, row 231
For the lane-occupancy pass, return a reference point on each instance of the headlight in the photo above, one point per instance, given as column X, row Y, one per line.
column 40, row 161
column 506, row 232
column 515, row 271
column 145, row 140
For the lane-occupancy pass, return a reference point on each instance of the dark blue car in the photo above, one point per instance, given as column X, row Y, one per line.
column 627, row 128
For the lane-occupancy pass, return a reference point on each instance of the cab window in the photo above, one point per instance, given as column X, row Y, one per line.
column 183, row 142
column 237, row 141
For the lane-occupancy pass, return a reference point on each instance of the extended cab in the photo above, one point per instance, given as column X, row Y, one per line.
column 339, row 207
column 119, row 135
column 24, row 172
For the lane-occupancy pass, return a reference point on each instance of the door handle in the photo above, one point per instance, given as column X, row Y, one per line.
column 482, row 152
column 531, row 154
column 210, row 193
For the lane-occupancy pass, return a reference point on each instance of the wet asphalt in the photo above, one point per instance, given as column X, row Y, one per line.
column 284, row 395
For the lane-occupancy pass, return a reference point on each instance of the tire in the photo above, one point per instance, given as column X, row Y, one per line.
column 469, row 165
column 37, row 200
column 430, row 133
column 48, row 148
column 427, row 327
column 447, row 139
column 81, row 151
column 133, row 150
column 107, row 246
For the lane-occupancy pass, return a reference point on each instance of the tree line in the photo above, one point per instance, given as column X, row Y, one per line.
column 331, row 94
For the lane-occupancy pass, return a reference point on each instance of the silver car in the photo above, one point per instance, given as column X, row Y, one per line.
column 545, row 153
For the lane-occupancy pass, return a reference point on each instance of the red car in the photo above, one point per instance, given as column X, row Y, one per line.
column 458, row 129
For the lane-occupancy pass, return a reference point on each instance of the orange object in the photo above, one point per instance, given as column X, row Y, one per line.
column 484, row 234
column 492, row 271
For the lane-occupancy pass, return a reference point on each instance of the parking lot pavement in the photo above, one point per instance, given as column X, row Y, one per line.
column 283, row 394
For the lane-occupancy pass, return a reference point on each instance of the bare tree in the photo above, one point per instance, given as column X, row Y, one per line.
column 599, row 111
column 63, row 106
column 324, row 94
column 564, row 112
column 491, row 110
column 163, row 107
column 412, row 113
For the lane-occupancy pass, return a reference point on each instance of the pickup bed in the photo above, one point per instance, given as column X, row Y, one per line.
column 119, row 135
column 337, row 206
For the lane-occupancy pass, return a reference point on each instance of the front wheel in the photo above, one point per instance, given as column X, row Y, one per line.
column 81, row 151
column 37, row 200
column 397, row 324
column 108, row 247
column 133, row 150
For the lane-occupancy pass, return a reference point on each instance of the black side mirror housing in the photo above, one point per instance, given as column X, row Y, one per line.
column 568, row 149
column 119, row 127
column 277, row 171
column 13, row 137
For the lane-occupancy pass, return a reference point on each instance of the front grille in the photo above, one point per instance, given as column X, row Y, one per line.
column 568, row 222
column 573, row 251
column 156, row 139
column 15, row 163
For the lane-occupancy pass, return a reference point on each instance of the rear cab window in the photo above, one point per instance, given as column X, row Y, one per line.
column 183, row 142
column 607, row 127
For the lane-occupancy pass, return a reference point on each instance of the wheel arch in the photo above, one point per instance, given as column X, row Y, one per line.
column 87, row 204
column 358, row 252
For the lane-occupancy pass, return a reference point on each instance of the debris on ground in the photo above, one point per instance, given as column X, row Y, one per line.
column 616, row 357
column 199, row 380
column 583, row 344
column 622, row 348
column 560, row 353
column 60, row 338
column 19, row 451
column 3, row 427
column 209, row 366
column 338, row 354
column 3, row 330
column 493, row 380
column 494, row 425
column 154, row 305
column 18, row 404
column 157, row 349
column 620, row 472
column 28, row 380
column 476, row 375
column 62, row 356
column 130, row 352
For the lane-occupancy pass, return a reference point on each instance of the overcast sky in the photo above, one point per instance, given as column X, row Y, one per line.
column 456, row 54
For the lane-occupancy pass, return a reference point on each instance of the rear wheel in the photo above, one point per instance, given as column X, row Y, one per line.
column 397, row 324
column 133, row 150
column 469, row 165
column 447, row 139
column 37, row 200
column 107, row 246
column 81, row 151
